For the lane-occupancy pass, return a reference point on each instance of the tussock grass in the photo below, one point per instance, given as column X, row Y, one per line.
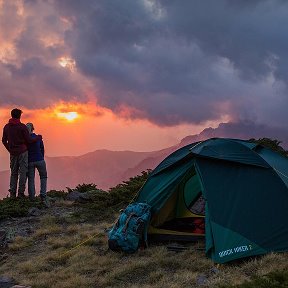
column 47, row 230
column 20, row 243
column 54, row 261
column 65, row 251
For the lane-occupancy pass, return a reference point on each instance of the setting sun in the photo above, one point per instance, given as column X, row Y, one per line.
column 67, row 111
column 67, row 63
column 69, row 116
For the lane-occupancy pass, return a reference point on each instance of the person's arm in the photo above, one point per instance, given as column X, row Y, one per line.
column 42, row 148
column 5, row 139
column 28, row 139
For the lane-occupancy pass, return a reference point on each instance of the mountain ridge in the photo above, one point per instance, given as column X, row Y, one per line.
column 108, row 168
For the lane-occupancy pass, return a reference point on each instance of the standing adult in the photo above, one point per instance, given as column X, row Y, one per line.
column 16, row 139
column 36, row 161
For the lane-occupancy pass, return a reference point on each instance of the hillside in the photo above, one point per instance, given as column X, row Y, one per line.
column 66, row 246
column 103, row 167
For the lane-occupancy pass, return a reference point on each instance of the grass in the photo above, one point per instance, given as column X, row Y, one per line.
column 277, row 279
column 52, row 257
column 68, row 248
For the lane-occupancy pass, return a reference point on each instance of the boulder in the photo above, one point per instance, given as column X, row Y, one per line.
column 6, row 282
column 75, row 195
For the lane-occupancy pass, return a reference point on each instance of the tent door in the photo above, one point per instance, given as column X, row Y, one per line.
column 183, row 216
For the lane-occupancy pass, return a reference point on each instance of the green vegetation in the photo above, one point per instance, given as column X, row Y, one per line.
column 100, row 204
column 82, row 188
column 17, row 207
column 60, row 194
column 123, row 193
column 105, row 204
column 271, row 144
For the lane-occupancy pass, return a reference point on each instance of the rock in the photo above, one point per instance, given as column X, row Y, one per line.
column 214, row 270
column 85, row 196
column 201, row 279
column 6, row 282
column 24, row 232
column 73, row 196
column 20, row 286
column 33, row 211
column 77, row 196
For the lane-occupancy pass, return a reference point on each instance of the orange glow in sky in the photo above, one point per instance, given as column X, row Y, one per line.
column 69, row 116
column 67, row 111
column 76, row 129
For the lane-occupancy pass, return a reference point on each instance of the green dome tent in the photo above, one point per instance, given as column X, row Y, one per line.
column 243, row 190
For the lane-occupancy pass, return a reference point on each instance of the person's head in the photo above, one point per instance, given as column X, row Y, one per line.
column 30, row 127
column 16, row 113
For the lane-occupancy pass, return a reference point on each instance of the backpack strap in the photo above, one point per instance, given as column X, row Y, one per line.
column 127, row 221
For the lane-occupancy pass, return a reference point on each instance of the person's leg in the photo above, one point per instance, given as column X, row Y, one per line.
column 41, row 167
column 23, row 170
column 14, row 167
column 31, row 180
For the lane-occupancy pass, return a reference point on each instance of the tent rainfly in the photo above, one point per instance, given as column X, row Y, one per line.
column 232, row 192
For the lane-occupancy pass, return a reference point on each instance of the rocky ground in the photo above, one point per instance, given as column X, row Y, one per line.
column 15, row 227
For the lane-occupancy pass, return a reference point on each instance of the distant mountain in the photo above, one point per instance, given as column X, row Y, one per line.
column 108, row 168
column 101, row 167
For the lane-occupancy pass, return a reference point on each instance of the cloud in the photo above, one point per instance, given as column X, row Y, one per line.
column 31, row 76
column 241, row 130
column 171, row 62
column 35, row 84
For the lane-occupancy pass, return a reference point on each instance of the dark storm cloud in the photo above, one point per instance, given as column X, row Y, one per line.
column 30, row 46
column 183, row 61
column 37, row 85
column 248, row 33
column 170, row 61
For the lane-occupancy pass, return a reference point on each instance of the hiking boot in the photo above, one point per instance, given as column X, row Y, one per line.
column 46, row 202
column 12, row 194
column 21, row 195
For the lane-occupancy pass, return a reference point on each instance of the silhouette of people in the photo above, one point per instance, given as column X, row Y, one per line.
column 16, row 138
column 36, row 162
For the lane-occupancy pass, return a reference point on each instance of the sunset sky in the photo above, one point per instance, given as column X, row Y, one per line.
column 141, row 74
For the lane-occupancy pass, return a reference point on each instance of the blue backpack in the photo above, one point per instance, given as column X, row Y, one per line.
column 130, row 230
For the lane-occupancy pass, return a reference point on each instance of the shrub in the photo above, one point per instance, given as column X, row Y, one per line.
column 17, row 207
column 105, row 204
column 271, row 144
column 123, row 193
column 82, row 188
column 57, row 194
